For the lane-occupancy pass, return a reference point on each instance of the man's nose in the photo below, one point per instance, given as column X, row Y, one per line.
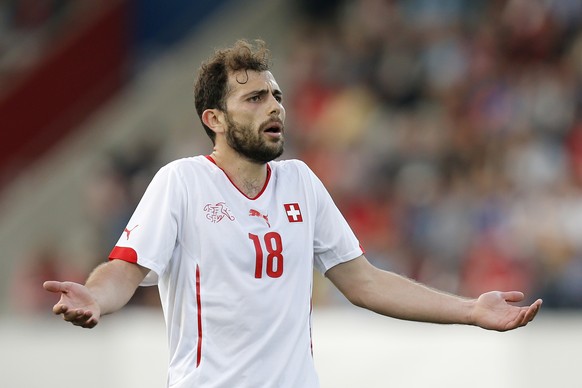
column 275, row 106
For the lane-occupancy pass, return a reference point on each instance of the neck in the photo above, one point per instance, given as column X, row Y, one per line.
column 249, row 177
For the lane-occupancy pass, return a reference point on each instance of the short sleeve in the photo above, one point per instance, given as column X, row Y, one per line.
column 334, row 240
column 151, row 233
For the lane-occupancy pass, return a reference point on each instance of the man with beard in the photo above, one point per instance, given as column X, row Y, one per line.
column 232, row 238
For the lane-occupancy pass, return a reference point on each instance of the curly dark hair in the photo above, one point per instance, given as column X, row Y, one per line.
column 211, row 86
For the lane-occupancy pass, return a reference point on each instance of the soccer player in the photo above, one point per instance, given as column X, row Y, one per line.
column 231, row 240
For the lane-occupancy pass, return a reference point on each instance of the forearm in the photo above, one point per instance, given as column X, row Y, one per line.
column 392, row 295
column 112, row 284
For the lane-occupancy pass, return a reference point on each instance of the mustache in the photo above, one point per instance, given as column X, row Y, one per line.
column 274, row 122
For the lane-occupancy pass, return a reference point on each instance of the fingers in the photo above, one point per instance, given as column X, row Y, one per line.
column 90, row 324
column 54, row 286
column 60, row 308
column 520, row 316
column 516, row 321
column 512, row 296
column 527, row 314
column 76, row 315
column 79, row 317
column 533, row 310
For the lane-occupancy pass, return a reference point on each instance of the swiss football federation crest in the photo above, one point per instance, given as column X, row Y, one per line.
column 293, row 212
column 215, row 213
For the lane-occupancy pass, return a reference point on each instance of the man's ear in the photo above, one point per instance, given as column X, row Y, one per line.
column 214, row 119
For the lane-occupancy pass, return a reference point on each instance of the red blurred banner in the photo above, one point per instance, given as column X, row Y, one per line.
column 79, row 74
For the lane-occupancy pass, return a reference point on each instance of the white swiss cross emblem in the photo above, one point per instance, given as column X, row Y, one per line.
column 293, row 212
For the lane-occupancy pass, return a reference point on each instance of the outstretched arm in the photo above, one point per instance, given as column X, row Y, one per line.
column 396, row 296
column 108, row 288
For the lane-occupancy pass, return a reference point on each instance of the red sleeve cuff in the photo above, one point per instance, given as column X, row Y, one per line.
column 123, row 253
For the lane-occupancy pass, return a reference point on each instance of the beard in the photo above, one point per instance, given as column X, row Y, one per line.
column 252, row 144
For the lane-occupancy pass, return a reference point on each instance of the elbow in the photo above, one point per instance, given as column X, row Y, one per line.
column 358, row 302
column 359, row 296
column 357, row 280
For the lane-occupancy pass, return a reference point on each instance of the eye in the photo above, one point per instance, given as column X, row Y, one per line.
column 279, row 98
column 255, row 98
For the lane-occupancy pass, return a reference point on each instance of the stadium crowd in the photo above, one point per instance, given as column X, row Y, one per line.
column 29, row 29
column 449, row 133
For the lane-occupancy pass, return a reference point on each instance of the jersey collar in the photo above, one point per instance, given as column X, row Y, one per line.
column 211, row 159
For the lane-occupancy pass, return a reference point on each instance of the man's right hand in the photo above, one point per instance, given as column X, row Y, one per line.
column 77, row 305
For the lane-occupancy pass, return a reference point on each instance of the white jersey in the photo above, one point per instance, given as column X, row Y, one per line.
column 235, row 273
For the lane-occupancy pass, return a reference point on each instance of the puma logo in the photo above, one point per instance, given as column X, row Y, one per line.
column 256, row 213
column 128, row 231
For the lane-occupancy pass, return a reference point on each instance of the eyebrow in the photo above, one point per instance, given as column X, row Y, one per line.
column 262, row 92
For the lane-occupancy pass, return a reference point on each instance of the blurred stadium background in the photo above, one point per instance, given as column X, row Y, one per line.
column 449, row 132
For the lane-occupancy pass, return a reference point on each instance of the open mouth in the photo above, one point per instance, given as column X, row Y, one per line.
column 274, row 128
